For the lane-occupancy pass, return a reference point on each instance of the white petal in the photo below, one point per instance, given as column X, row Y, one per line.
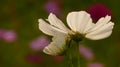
column 57, row 47
column 101, row 22
column 52, row 50
column 57, row 23
column 104, row 28
column 98, row 37
column 104, row 20
column 78, row 20
column 88, row 27
column 47, row 28
column 101, row 33
column 83, row 22
column 72, row 20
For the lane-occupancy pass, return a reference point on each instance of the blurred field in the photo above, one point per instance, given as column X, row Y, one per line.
column 19, row 29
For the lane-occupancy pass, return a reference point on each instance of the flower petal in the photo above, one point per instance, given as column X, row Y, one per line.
column 88, row 27
column 47, row 28
column 57, row 47
column 78, row 20
column 101, row 22
column 84, row 21
column 102, row 32
column 100, row 36
column 57, row 23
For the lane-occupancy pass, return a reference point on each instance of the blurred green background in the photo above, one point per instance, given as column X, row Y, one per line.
column 21, row 17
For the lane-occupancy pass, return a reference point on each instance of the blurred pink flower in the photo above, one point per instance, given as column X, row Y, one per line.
column 95, row 65
column 39, row 43
column 98, row 10
column 10, row 36
column 86, row 52
column 33, row 58
column 1, row 33
column 57, row 58
column 53, row 7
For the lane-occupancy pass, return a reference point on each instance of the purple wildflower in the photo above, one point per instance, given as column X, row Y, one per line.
column 10, row 36
column 53, row 7
column 39, row 43
column 86, row 52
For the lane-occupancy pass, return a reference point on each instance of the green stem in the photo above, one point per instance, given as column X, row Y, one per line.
column 72, row 54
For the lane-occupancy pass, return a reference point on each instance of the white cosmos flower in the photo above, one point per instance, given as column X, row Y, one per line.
column 80, row 23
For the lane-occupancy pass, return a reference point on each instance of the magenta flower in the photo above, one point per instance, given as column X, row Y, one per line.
column 32, row 58
column 53, row 7
column 98, row 10
column 95, row 65
column 39, row 43
column 10, row 36
column 86, row 52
